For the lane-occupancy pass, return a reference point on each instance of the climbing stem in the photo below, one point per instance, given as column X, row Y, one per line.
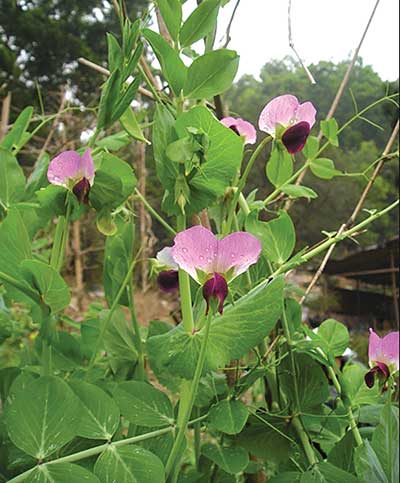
column 173, row 457
column 136, row 328
column 308, row 449
column 154, row 213
column 184, row 288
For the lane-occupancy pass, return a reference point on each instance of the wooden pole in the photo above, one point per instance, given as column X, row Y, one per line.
column 5, row 115
column 394, row 288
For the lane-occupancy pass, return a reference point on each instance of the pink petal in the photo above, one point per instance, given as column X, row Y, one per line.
column 238, row 250
column 194, row 248
column 390, row 349
column 281, row 110
column 241, row 127
column 306, row 112
column 64, row 167
column 87, row 166
column 374, row 348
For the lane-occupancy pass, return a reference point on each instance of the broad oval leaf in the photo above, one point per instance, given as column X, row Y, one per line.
column 211, row 74
column 171, row 11
column 324, row 168
column 228, row 416
column 12, row 178
column 129, row 464
column 335, row 337
column 330, row 130
column 43, row 417
column 61, row 473
column 279, row 167
column 295, row 191
column 99, row 412
column 199, row 23
column 231, row 459
column 142, row 404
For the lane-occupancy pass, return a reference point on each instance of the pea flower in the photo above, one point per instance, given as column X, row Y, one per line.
column 383, row 354
column 167, row 280
column 286, row 119
column 74, row 172
column 242, row 128
column 213, row 263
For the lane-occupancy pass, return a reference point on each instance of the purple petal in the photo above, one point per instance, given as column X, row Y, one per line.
column 295, row 137
column 87, row 166
column 81, row 190
column 281, row 110
column 238, row 250
column 165, row 257
column 215, row 287
column 168, row 281
column 242, row 128
column 195, row 248
column 390, row 349
column 306, row 112
column 64, row 167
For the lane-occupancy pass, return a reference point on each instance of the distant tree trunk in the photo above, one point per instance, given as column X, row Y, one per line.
column 5, row 115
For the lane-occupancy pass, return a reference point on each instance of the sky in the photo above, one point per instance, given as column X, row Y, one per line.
column 321, row 30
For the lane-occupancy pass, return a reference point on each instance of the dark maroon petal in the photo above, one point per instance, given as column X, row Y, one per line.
column 295, row 137
column 168, row 281
column 81, row 190
column 234, row 129
column 215, row 287
column 381, row 370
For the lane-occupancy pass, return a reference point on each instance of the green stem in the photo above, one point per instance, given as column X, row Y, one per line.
column 197, row 440
column 111, row 312
column 172, row 459
column 94, row 451
column 242, row 183
column 354, row 427
column 286, row 331
column 184, row 288
column 136, row 328
column 308, row 449
column 154, row 213
column 149, row 84
column 332, row 241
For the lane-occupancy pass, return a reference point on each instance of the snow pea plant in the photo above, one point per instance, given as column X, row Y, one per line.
column 241, row 389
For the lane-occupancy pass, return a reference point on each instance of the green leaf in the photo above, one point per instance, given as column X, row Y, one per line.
column 16, row 137
column 114, row 182
column 99, row 413
column 108, row 100
column 129, row 464
column 356, row 389
column 334, row 474
column 200, row 23
column 265, row 438
column 312, row 384
column 241, row 327
column 278, row 236
column 335, row 337
column 171, row 11
column 117, row 257
column 223, row 158
column 114, row 52
column 330, row 130
column 228, row 416
column 342, row 454
column 295, row 191
column 279, row 167
column 48, row 282
column 385, row 442
column 324, row 168
column 61, row 473
column 211, row 74
column 114, row 142
column 15, row 245
column 43, row 417
column 142, row 404
column 125, row 99
column 311, row 148
column 130, row 124
column 312, row 476
column 12, row 179
column 294, row 315
column 368, row 466
column 172, row 66
column 286, row 477
column 231, row 459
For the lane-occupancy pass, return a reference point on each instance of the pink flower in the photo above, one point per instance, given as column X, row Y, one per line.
column 74, row 172
column 286, row 119
column 383, row 354
column 168, row 280
column 213, row 263
column 241, row 128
